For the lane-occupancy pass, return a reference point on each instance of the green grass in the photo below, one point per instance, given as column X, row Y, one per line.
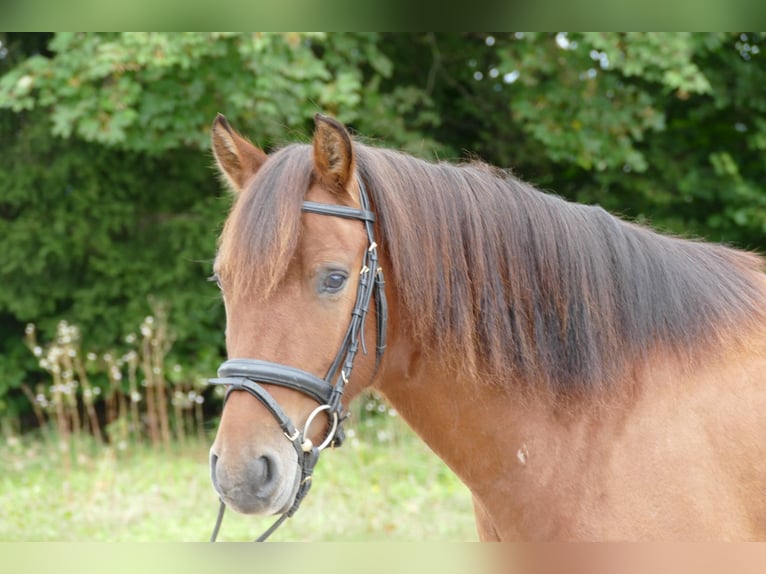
column 384, row 484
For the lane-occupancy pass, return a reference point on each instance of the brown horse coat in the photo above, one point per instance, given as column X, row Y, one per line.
column 586, row 378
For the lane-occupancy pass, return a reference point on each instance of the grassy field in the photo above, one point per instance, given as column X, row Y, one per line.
column 384, row 484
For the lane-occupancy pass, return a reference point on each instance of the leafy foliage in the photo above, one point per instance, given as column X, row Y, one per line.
column 108, row 199
column 661, row 126
column 152, row 92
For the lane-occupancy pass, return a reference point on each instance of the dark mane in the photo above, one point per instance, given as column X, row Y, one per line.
column 502, row 280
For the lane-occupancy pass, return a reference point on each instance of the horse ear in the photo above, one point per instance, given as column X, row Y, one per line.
column 333, row 152
column 238, row 160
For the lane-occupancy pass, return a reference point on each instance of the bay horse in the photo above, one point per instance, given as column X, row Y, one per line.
column 587, row 378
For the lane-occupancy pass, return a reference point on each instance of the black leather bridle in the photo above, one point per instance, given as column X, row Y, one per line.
column 249, row 374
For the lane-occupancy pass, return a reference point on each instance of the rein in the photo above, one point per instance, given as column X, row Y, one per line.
column 249, row 374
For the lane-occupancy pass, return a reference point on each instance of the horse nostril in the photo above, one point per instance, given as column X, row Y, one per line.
column 263, row 470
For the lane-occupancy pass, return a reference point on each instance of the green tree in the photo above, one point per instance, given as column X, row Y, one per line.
column 107, row 193
column 668, row 127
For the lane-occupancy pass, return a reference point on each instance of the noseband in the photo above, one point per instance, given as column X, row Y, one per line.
column 249, row 374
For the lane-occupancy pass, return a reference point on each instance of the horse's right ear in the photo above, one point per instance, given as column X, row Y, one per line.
column 237, row 159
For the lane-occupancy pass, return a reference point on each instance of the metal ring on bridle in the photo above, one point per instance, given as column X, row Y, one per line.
column 330, row 435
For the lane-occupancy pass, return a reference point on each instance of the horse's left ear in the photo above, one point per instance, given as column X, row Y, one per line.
column 333, row 153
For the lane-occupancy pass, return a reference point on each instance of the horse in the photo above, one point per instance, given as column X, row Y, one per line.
column 587, row 378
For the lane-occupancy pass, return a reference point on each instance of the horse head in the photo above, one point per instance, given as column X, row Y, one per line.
column 296, row 265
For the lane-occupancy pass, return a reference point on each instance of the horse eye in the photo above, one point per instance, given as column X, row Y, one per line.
column 334, row 282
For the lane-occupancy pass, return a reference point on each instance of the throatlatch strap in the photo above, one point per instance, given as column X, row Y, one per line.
column 381, row 312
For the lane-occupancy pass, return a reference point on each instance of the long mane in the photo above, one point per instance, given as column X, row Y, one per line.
column 501, row 280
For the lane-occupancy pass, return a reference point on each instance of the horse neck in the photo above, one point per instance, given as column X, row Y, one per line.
column 534, row 464
column 479, row 430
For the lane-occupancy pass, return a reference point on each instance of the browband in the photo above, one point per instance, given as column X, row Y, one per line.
column 338, row 211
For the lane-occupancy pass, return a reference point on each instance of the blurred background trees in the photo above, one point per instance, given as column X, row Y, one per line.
column 109, row 203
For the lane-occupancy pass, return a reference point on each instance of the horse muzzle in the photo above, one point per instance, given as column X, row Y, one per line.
column 263, row 484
